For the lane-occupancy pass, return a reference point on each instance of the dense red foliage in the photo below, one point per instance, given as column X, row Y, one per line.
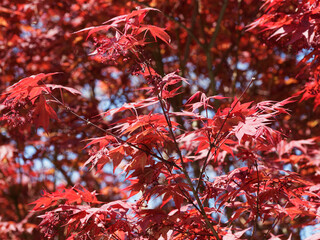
column 171, row 120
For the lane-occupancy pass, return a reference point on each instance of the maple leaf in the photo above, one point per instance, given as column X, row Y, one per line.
column 275, row 107
column 125, row 40
column 31, row 86
column 72, row 195
column 69, row 89
column 284, row 147
column 141, row 13
column 299, row 25
column 201, row 100
column 93, row 30
column 103, row 141
column 173, row 78
column 133, row 124
column 156, row 32
column 304, row 29
column 251, row 126
column 234, row 236
column 311, row 90
column 81, row 220
column 42, row 113
column 132, row 106
column 42, row 203
column 116, row 155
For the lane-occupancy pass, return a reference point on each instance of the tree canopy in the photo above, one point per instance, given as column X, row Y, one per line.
column 190, row 119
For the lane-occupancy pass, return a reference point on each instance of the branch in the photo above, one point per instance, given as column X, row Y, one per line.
column 258, row 190
column 177, row 100
column 183, row 169
column 235, row 73
column 109, row 133
column 188, row 41
column 216, row 31
column 211, row 43
column 185, row 172
column 215, row 141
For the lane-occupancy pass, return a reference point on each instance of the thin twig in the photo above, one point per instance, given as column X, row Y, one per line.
column 276, row 220
column 215, row 141
column 185, row 172
column 183, row 169
column 109, row 133
column 258, row 190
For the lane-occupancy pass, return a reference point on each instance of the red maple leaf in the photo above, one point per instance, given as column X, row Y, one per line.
column 42, row 113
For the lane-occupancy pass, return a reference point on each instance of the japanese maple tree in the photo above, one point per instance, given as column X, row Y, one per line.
column 171, row 122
